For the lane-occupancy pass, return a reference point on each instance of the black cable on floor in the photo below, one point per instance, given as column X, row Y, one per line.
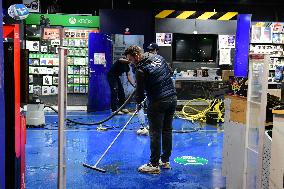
column 100, row 122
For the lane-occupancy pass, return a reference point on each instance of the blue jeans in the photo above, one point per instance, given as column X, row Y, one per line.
column 160, row 116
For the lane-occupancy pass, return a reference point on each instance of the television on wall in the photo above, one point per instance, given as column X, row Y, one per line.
column 194, row 47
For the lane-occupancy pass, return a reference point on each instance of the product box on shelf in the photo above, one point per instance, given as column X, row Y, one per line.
column 76, row 79
column 76, row 88
column 45, row 90
column 55, row 70
column 47, row 80
column 31, row 89
column 70, row 70
column 70, row 79
column 32, row 46
column 37, row 90
column 53, row 90
column 70, row 88
column 31, row 78
column 55, row 80
column 82, row 89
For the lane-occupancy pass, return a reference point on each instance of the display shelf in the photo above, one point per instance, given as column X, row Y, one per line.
column 255, row 102
column 77, row 56
column 277, row 56
column 73, row 46
column 44, row 65
column 260, row 43
column 274, row 83
column 80, row 74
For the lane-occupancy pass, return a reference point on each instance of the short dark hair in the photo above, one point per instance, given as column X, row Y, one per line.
column 133, row 50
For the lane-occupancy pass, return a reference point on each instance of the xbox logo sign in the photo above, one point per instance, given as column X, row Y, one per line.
column 72, row 20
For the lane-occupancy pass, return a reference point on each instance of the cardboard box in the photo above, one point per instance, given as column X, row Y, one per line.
column 226, row 74
column 238, row 109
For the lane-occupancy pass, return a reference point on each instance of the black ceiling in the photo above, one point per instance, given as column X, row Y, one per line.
column 92, row 6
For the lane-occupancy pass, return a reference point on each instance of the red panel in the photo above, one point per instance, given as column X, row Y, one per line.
column 13, row 31
column 8, row 31
column 23, row 152
column 17, row 88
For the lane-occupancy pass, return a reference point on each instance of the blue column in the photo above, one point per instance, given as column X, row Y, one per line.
column 242, row 45
column 2, row 107
column 99, row 63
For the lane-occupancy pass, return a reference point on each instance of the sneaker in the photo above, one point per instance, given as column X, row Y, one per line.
column 165, row 165
column 149, row 168
column 120, row 113
column 143, row 131
column 125, row 111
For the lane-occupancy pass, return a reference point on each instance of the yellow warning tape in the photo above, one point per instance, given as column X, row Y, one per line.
column 164, row 13
column 185, row 14
column 191, row 14
column 206, row 15
column 228, row 16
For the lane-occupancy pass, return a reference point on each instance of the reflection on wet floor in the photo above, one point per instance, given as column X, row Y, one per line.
column 84, row 144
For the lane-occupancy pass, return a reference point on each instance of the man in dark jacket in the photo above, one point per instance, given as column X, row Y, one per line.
column 154, row 76
column 117, row 92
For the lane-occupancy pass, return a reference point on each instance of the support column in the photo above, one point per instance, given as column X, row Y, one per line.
column 2, row 108
column 242, row 45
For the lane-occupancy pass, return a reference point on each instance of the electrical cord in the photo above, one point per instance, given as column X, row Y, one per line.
column 102, row 121
column 200, row 115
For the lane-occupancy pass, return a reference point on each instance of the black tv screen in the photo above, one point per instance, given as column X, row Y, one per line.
column 194, row 47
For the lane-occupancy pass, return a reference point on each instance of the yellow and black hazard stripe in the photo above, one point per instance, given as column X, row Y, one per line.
column 197, row 15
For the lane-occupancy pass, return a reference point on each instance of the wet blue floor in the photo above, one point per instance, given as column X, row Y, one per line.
column 86, row 144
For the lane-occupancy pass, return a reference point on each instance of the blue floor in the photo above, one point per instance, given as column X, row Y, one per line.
column 85, row 144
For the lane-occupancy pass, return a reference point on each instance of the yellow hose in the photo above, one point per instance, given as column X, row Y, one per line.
column 200, row 115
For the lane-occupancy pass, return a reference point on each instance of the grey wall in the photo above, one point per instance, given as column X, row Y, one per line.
column 187, row 26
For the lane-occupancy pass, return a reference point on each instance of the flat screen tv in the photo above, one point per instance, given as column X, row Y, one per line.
column 194, row 47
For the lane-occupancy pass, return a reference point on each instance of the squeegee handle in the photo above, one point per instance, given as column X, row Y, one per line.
column 115, row 138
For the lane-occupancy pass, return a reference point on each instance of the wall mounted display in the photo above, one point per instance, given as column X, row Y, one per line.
column 43, row 42
column 164, row 39
column 194, row 47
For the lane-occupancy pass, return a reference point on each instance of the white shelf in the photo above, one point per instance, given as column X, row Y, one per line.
column 274, row 83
